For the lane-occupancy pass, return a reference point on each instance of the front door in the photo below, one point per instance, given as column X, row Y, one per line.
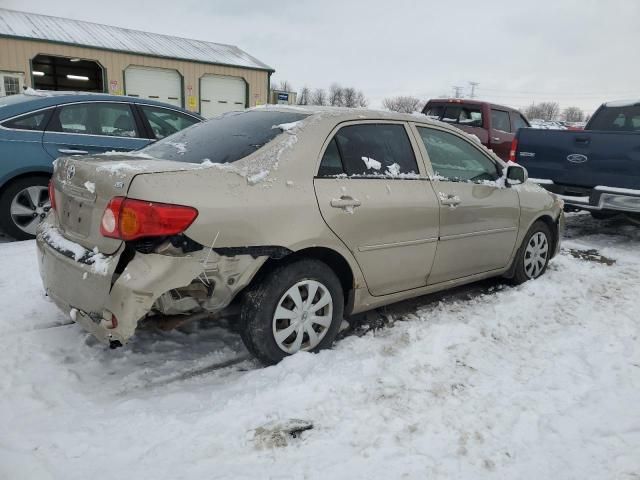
column 479, row 217
column 374, row 197
column 92, row 128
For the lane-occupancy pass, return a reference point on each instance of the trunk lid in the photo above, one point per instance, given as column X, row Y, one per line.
column 85, row 185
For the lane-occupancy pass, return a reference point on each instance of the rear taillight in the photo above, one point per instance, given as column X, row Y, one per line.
column 512, row 150
column 52, row 194
column 129, row 219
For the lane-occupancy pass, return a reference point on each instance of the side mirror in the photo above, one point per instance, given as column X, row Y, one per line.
column 516, row 175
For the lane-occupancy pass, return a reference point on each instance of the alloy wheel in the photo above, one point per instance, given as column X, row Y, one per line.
column 29, row 207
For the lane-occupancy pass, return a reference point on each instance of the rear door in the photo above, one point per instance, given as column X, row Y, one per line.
column 501, row 134
column 92, row 127
column 376, row 199
column 479, row 219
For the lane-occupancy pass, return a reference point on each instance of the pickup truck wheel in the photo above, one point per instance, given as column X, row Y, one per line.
column 296, row 307
column 534, row 254
column 23, row 205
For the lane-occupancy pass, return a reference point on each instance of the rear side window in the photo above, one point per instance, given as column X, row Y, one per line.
column 434, row 111
column 32, row 121
column 517, row 122
column 500, row 120
column 109, row 119
column 456, row 159
column 165, row 122
column 224, row 139
column 619, row 119
column 372, row 150
column 331, row 161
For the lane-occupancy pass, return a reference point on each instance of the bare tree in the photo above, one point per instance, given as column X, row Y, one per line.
column 349, row 97
column 361, row 100
column 543, row 111
column 283, row 86
column 304, row 97
column 319, row 97
column 336, row 95
column 403, row 104
column 573, row 114
column 550, row 110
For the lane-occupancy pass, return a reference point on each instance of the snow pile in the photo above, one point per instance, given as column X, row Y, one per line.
column 36, row 93
column 90, row 186
column 540, row 381
column 119, row 168
column 288, row 127
column 135, row 153
column 181, row 148
column 99, row 262
column 371, row 163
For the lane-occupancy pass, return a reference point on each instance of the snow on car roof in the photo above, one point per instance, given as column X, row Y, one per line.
column 622, row 103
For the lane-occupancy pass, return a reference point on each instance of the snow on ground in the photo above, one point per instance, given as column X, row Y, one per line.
column 540, row 381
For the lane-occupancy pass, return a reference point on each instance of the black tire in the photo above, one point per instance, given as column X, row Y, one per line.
column 520, row 275
column 261, row 300
column 7, row 223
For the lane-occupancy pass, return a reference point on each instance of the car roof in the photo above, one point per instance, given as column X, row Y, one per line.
column 468, row 101
column 32, row 100
column 344, row 114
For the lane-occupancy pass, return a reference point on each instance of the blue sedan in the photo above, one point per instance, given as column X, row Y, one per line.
column 38, row 127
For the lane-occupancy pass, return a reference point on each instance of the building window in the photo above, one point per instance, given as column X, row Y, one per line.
column 11, row 85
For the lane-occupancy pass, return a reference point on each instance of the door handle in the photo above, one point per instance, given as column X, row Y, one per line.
column 495, row 139
column 345, row 202
column 583, row 139
column 70, row 151
column 449, row 199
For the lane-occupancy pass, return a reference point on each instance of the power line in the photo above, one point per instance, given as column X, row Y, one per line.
column 473, row 88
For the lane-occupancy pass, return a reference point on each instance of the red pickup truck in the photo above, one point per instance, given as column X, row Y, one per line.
column 494, row 125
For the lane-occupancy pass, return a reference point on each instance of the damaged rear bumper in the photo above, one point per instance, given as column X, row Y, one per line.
column 94, row 293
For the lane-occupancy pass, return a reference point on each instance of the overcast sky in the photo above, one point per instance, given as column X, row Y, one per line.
column 576, row 52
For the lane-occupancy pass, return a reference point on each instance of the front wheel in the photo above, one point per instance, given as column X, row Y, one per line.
column 23, row 205
column 296, row 307
column 534, row 254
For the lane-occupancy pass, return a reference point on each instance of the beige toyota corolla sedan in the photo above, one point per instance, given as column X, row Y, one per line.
column 297, row 216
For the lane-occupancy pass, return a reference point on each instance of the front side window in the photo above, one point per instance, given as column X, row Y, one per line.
column 224, row 139
column 109, row 119
column 165, row 122
column 32, row 121
column 373, row 150
column 500, row 120
column 455, row 159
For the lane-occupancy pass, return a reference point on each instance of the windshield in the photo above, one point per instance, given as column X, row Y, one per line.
column 223, row 139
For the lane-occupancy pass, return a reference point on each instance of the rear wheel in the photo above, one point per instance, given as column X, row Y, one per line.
column 534, row 254
column 23, row 205
column 296, row 307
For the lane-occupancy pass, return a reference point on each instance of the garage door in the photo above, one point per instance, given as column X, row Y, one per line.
column 154, row 83
column 219, row 94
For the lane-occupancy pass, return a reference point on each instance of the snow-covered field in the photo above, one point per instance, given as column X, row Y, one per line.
column 540, row 381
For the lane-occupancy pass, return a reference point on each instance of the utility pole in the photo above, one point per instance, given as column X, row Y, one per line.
column 457, row 92
column 473, row 88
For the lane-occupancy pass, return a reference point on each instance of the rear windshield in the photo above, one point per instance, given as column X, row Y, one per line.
column 223, row 139
column 617, row 119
